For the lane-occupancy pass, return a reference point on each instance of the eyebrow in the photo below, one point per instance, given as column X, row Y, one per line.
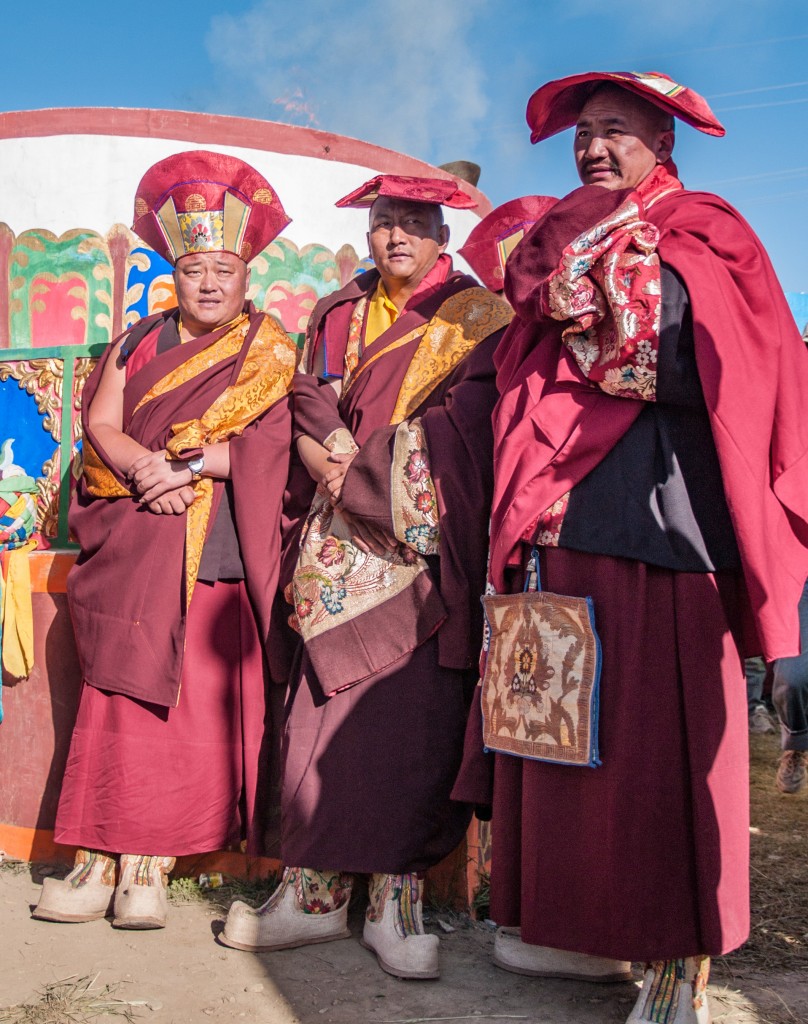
column 614, row 119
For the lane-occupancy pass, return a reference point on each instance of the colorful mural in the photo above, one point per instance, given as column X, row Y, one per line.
column 62, row 300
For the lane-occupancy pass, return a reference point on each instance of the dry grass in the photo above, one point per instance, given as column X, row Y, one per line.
column 778, row 942
column 254, row 892
column 70, row 1001
column 779, row 874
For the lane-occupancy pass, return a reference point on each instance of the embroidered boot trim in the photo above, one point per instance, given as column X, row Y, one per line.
column 667, row 986
column 315, row 892
column 663, row 995
column 150, row 870
column 697, row 972
column 406, row 891
column 322, row 892
column 91, row 864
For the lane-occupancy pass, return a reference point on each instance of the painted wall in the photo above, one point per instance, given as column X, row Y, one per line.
column 73, row 276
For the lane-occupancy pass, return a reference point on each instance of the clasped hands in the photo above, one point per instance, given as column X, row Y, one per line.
column 164, row 485
column 368, row 537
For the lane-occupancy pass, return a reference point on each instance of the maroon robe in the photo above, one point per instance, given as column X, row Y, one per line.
column 171, row 714
column 368, row 771
column 646, row 857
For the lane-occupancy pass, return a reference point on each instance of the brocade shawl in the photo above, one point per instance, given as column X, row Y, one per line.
column 420, row 392
column 554, row 423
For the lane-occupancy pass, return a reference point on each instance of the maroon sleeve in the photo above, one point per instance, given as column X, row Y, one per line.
column 259, row 463
column 315, row 405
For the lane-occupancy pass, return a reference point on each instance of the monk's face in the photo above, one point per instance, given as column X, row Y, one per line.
column 405, row 240
column 620, row 138
column 211, row 289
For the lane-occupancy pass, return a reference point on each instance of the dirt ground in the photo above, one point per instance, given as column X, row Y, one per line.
column 181, row 975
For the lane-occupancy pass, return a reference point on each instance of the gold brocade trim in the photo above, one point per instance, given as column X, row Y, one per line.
column 353, row 349
column 226, row 347
column 412, row 489
column 334, row 581
column 265, row 377
column 461, row 323
column 340, row 441
column 398, row 343
column 100, row 481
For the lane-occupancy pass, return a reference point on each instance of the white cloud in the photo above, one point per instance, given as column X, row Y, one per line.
column 393, row 73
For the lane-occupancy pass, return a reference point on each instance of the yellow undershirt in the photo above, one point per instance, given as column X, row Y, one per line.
column 382, row 313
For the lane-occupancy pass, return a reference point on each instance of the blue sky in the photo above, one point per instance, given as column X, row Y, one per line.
column 448, row 79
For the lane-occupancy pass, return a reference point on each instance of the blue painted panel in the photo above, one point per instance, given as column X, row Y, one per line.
column 20, row 419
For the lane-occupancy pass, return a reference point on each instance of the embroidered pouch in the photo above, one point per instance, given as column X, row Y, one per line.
column 541, row 682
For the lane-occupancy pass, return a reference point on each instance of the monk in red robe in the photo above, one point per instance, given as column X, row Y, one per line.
column 393, row 416
column 187, row 429
column 651, row 440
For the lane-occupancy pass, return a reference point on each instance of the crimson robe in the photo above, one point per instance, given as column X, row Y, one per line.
column 646, row 857
column 167, row 753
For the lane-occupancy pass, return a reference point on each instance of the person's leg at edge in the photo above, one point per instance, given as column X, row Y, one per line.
column 790, row 698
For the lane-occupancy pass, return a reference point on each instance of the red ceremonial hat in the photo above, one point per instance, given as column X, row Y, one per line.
column 438, row 191
column 206, row 202
column 496, row 236
column 556, row 105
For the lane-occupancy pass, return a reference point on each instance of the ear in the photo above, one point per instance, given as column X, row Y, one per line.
column 443, row 237
column 664, row 147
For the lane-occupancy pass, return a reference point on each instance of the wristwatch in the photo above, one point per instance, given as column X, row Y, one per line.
column 196, row 465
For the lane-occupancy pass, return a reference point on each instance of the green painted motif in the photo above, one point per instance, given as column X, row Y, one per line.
column 282, row 261
column 49, row 274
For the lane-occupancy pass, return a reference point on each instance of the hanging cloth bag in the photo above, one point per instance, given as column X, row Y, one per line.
column 541, row 680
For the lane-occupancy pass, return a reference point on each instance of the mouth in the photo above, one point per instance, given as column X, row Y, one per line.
column 599, row 171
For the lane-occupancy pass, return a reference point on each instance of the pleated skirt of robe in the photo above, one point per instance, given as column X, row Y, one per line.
column 368, row 772
column 146, row 779
column 647, row 856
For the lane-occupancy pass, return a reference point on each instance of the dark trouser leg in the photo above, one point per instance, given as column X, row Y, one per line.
column 790, row 688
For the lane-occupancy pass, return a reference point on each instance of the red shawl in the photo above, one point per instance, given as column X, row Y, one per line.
column 127, row 589
column 552, row 425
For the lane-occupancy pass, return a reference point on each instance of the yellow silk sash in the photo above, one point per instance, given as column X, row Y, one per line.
column 264, row 378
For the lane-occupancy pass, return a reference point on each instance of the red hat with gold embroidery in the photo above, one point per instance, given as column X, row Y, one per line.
column 556, row 105
column 206, row 202
column 496, row 236
column 438, row 191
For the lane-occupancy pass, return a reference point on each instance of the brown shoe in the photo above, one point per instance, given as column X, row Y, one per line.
column 791, row 771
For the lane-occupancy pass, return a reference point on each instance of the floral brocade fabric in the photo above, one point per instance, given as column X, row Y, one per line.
column 606, row 290
column 334, row 581
column 415, row 501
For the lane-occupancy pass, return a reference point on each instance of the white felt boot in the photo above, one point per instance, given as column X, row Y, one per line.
column 141, row 901
column 394, row 928
column 673, row 992
column 307, row 907
column 511, row 954
column 85, row 895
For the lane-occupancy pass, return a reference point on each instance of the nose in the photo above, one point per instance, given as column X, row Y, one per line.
column 596, row 147
column 209, row 282
column 397, row 235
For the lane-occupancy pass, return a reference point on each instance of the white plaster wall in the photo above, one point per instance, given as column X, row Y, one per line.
column 88, row 181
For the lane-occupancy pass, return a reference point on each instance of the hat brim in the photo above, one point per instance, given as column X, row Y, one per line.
column 554, row 107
